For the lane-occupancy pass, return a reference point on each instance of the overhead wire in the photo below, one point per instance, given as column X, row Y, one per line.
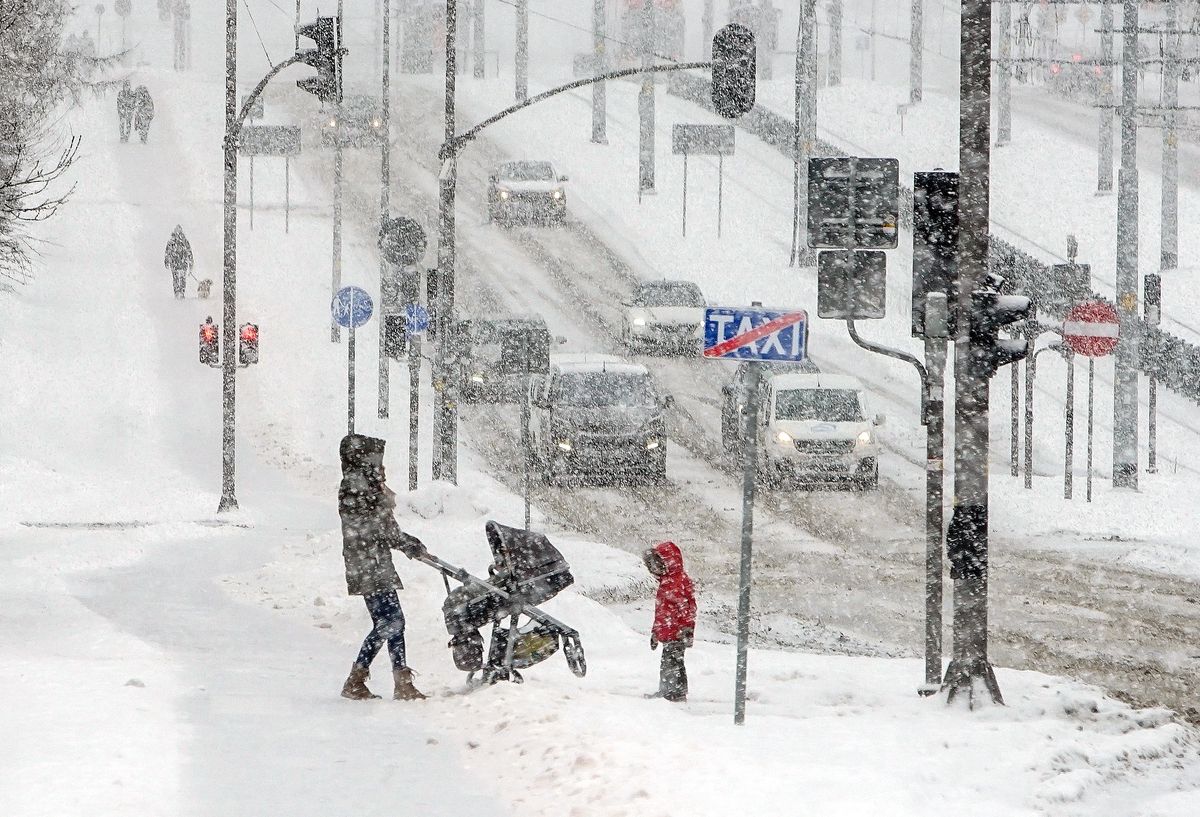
column 246, row 5
column 577, row 27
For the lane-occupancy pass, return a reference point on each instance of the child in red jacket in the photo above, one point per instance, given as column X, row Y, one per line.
column 674, row 618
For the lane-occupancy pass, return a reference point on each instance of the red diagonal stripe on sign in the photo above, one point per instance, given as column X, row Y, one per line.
column 768, row 328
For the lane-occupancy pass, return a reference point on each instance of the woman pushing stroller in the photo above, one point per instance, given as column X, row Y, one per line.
column 369, row 534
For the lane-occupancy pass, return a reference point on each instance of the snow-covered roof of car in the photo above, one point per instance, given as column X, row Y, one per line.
column 593, row 362
column 815, row 381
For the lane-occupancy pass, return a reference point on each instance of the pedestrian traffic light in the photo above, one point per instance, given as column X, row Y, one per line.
column 326, row 58
column 248, row 344
column 734, row 70
column 935, row 242
column 990, row 312
column 210, row 343
column 395, row 336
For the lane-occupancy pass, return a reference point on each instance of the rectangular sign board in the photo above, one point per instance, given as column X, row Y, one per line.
column 851, row 284
column 269, row 140
column 702, row 140
column 754, row 333
column 853, row 203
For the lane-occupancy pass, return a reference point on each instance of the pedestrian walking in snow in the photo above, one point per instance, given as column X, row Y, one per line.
column 126, row 102
column 369, row 534
column 178, row 259
column 143, row 112
column 674, row 618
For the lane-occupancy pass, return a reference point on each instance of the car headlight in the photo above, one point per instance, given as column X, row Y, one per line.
column 652, row 443
column 783, row 438
column 564, row 445
column 639, row 321
column 477, row 377
column 557, row 194
column 332, row 122
column 866, row 438
column 376, row 123
column 504, row 194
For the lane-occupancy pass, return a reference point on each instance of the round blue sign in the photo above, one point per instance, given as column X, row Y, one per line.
column 351, row 307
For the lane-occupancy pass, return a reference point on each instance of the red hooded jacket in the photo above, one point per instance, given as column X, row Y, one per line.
column 675, row 606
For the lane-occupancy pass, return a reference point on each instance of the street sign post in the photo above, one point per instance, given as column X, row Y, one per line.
column 751, row 334
column 1092, row 329
column 703, row 140
column 416, row 319
column 271, row 140
column 351, row 309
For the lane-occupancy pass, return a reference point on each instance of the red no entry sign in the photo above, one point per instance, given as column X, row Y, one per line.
column 1092, row 328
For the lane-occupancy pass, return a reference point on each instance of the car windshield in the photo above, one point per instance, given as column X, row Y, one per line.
column 528, row 172
column 830, row 405
column 682, row 294
column 606, row 389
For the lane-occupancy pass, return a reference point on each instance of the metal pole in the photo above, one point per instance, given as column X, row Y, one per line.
column 1169, row 223
column 297, row 28
column 834, row 68
column 599, row 62
column 806, row 101
column 229, row 315
column 385, row 181
column 646, row 106
column 350, row 372
column 1104, row 174
column 720, row 189
column 445, row 449
column 251, row 193
column 796, row 138
column 335, row 332
column 480, row 54
column 1091, row 423
column 1030, row 374
column 525, row 433
column 414, row 408
column 1003, row 77
column 1014, row 388
column 287, row 193
column 917, row 51
column 749, row 474
column 766, row 47
column 522, row 50
column 1125, row 386
column 1152, row 433
column 967, row 539
column 706, row 27
column 872, row 35
column 1069, row 448
column 685, row 195
column 935, row 362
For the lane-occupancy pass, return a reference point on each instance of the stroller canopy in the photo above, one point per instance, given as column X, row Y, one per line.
column 526, row 564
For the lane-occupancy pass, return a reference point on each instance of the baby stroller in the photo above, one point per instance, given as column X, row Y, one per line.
column 526, row 570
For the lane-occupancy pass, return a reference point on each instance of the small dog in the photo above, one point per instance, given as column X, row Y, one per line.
column 204, row 288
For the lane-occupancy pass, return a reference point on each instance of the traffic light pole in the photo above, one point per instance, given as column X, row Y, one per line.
column 521, row 53
column 385, row 174
column 967, row 537
column 1169, row 222
column 916, row 44
column 335, row 333
column 1104, row 174
column 834, row 70
column 1125, row 390
column 599, row 93
column 806, row 130
column 229, row 315
column 1003, row 76
column 445, row 385
column 646, row 106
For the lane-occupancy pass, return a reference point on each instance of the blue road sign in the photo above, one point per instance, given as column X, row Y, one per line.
column 755, row 334
column 416, row 319
column 351, row 307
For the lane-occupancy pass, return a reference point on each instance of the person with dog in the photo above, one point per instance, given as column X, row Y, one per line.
column 178, row 259
column 369, row 534
column 674, row 618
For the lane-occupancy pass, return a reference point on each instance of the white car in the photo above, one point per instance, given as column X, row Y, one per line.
column 817, row 428
column 664, row 315
column 530, row 191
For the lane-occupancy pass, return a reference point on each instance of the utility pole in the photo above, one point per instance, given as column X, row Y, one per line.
column 1125, row 391
column 599, row 65
column 834, row 69
column 385, row 179
column 1169, row 223
column 229, row 315
column 1104, row 174
column 445, row 386
column 916, row 59
column 767, row 34
column 335, row 331
column 522, row 51
column 967, row 538
column 872, row 36
column 806, row 130
column 706, row 26
column 646, row 106
column 478, row 40
column 1004, row 77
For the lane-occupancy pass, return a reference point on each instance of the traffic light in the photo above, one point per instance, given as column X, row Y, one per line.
column 935, row 242
column 210, row 343
column 990, row 312
column 248, row 344
column 395, row 336
column 734, row 71
column 326, row 58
